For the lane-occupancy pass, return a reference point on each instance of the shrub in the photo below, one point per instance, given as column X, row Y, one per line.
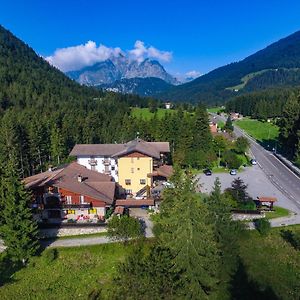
column 263, row 226
column 124, row 228
column 108, row 213
column 292, row 237
column 50, row 255
column 231, row 160
column 249, row 205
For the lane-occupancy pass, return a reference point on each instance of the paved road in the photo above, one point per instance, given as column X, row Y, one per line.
column 283, row 178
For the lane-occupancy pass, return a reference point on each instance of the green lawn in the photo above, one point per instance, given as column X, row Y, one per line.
column 270, row 266
column 277, row 213
column 73, row 275
column 261, row 131
column 221, row 124
column 269, row 269
column 215, row 109
column 144, row 113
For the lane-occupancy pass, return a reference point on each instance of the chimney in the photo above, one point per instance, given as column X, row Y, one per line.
column 79, row 178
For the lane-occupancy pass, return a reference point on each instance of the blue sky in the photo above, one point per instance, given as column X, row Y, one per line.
column 201, row 35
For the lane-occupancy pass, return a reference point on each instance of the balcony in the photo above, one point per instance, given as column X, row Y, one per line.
column 106, row 162
column 92, row 162
column 76, row 206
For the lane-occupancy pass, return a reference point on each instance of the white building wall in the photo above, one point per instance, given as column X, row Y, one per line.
column 100, row 166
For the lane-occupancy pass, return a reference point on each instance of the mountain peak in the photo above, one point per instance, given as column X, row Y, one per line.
column 119, row 67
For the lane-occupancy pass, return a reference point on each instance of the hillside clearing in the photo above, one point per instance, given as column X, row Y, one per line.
column 261, row 131
column 144, row 113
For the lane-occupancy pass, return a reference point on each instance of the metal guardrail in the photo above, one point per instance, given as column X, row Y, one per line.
column 288, row 164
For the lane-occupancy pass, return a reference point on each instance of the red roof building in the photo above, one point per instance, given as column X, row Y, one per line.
column 71, row 190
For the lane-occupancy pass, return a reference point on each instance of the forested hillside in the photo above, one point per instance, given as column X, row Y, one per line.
column 44, row 114
column 218, row 85
column 261, row 105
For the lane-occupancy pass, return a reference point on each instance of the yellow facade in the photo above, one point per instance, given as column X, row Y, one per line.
column 133, row 173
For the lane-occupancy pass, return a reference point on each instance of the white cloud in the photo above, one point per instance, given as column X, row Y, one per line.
column 74, row 58
column 77, row 57
column 192, row 74
column 140, row 52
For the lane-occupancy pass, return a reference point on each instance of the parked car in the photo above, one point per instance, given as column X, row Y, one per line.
column 207, row 172
column 233, row 172
column 253, row 162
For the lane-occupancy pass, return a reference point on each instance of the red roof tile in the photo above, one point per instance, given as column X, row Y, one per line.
column 94, row 184
column 135, row 202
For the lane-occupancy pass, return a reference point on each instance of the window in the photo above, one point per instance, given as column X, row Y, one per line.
column 142, row 181
column 81, row 199
column 112, row 168
column 128, row 181
column 132, row 170
column 69, row 199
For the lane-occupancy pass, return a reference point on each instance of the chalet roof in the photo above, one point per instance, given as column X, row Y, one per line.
column 94, row 184
column 152, row 149
column 134, row 202
column 266, row 199
column 163, row 171
column 119, row 210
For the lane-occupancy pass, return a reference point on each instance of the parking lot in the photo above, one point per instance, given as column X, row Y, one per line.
column 257, row 181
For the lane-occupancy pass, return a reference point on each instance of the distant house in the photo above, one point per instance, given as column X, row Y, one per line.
column 213, row 127
column 235, row 116
column 129, row 163
column 168, row 105
column 71, row 192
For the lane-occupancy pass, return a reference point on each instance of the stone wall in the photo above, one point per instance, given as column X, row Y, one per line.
column 56, row 232
column 247, row 217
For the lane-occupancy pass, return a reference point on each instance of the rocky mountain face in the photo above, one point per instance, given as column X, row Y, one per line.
column 119, row 68
column 148, row 86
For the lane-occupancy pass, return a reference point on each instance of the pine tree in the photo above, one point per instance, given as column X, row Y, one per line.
column 227, row 233
column 19, row 231
column 228, row 125
column 185, row 230
column 145, row 275
column 57, row 145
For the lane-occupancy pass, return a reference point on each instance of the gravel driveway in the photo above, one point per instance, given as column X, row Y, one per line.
column 258, row 185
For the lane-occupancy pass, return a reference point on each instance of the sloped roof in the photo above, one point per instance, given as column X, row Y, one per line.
column 134, row 202
column 96, row 149
column 152, row 149
column 163, row 171
column 266, row 199
column 94, row 184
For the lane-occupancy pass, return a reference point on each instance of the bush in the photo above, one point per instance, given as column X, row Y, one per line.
column 231, row 160
column 108, row 213
column 292, row 237
column 249, row 205
column 263, row 226
column 50, row 255
column 124, row 228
